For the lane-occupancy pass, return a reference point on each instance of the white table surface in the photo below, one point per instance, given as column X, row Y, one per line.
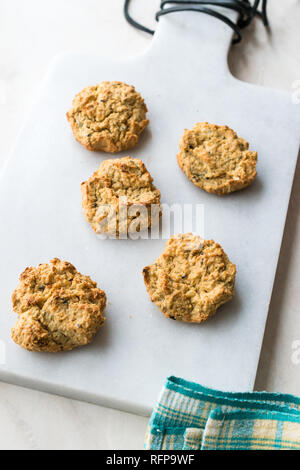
column 31, row 33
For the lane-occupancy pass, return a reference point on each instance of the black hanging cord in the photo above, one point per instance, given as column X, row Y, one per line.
column 246, row 10
column 207, row 11
column 133, row 22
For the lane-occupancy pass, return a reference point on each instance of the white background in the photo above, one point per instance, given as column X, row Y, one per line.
column 31, row 33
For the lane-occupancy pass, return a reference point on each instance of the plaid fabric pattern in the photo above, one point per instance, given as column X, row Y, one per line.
column 189, row 416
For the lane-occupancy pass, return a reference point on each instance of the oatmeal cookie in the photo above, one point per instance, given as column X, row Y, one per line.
column 190, row 279
column 215, row 159
column 108, row 117
column 59, row 308
column 118, row 197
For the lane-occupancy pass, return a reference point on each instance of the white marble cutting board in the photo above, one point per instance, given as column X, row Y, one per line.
column 184, row 78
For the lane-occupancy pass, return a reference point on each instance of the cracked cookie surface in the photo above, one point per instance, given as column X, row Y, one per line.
column 190, row 279
column 118, row 197
column 109, row 116
column 59, row 308
column 215, row 159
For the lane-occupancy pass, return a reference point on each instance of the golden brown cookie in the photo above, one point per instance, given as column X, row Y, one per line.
column 59, row 308
column 108, row 117
column 190, row 279
column 118, row 197
column 215, row 159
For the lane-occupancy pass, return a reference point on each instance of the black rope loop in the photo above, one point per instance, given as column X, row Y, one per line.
column 245, row 9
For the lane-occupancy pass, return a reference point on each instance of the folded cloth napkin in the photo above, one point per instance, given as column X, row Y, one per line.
column 189, row 416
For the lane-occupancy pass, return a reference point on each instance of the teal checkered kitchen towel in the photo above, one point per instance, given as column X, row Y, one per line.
column 191, row 417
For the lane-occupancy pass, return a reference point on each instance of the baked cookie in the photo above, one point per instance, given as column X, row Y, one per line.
column 190, row 279
column 108, row 117
column 119, row 197
column 215, row 159
column 59, row 308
